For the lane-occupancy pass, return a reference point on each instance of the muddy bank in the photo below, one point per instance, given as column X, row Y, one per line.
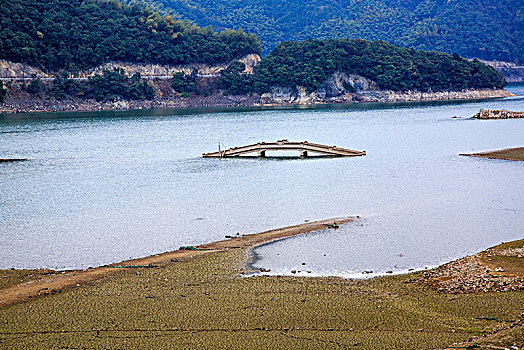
column 505, row 154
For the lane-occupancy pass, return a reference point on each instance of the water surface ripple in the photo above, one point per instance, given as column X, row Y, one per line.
column 100, row 187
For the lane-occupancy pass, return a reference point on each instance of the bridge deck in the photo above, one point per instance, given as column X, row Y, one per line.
column 285, row 145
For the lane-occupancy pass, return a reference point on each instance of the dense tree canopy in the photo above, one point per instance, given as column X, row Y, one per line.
column 233, row 81
column 486, row 29
column 67, row 35
column 79, row 34
column 310, row 63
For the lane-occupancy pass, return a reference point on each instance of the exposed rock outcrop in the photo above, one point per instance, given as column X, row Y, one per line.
column 337, row 86
column 509, row 70
column 19, row 70
column 344, row 88
column 341, row 83
column 497, row 114
column 287, row 95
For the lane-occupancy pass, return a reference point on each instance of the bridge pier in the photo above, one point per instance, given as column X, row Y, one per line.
column 261, row 153
column 303, row 154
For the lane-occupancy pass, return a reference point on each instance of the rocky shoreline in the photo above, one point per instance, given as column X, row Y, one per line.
column 497, row 269
column 22, row 102
column 300, row 96
column 41, row 105
column 339, row 88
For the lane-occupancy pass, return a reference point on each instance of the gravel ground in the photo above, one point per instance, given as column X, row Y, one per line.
column 482, row 272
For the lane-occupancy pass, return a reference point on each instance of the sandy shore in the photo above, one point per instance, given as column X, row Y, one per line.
column 505, row 154
column 52, row 282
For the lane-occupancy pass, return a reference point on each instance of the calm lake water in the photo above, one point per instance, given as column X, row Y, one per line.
column 103, row 187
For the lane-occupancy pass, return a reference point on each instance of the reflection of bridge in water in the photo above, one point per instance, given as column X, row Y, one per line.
column 305, row 148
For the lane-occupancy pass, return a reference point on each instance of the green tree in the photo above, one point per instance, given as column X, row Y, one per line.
column 80, row 34
column 183, row 82
column 487, row 29
column 309, row 63
column 234, row 80
column 35, row 86
column 3, row 91
column 64, row 86
column 111, row 85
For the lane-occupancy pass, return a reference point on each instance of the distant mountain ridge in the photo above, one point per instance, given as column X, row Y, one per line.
column 484, row 29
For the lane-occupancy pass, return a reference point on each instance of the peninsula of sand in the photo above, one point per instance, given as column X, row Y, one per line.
column 59, row 281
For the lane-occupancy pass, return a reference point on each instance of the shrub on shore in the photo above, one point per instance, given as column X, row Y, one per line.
column 3, row 91
column 34, row 86
column 234, row 81
column 108, row 86
column 112, row 84
column 183, row 83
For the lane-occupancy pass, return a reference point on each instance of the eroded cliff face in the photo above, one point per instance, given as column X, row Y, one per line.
column 341, row 83
column 349, row 88
column 19, row 70
column 286, row 95
column 512, row 72
column 167, row 71
column 336, row 86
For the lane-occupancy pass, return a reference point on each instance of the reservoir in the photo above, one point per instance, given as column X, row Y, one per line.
column 102, row 187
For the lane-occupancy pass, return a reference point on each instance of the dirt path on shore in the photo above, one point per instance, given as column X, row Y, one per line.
column 56, row 282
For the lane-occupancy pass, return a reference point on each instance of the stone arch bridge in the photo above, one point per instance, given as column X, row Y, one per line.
column 304, row 148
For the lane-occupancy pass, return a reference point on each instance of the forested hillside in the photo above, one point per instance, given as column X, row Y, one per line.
column 78, row 34
column 310, row 63
column 63, row 36
column 485, row 29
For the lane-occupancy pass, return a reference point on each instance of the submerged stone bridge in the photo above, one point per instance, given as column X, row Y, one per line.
column 284, row 145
